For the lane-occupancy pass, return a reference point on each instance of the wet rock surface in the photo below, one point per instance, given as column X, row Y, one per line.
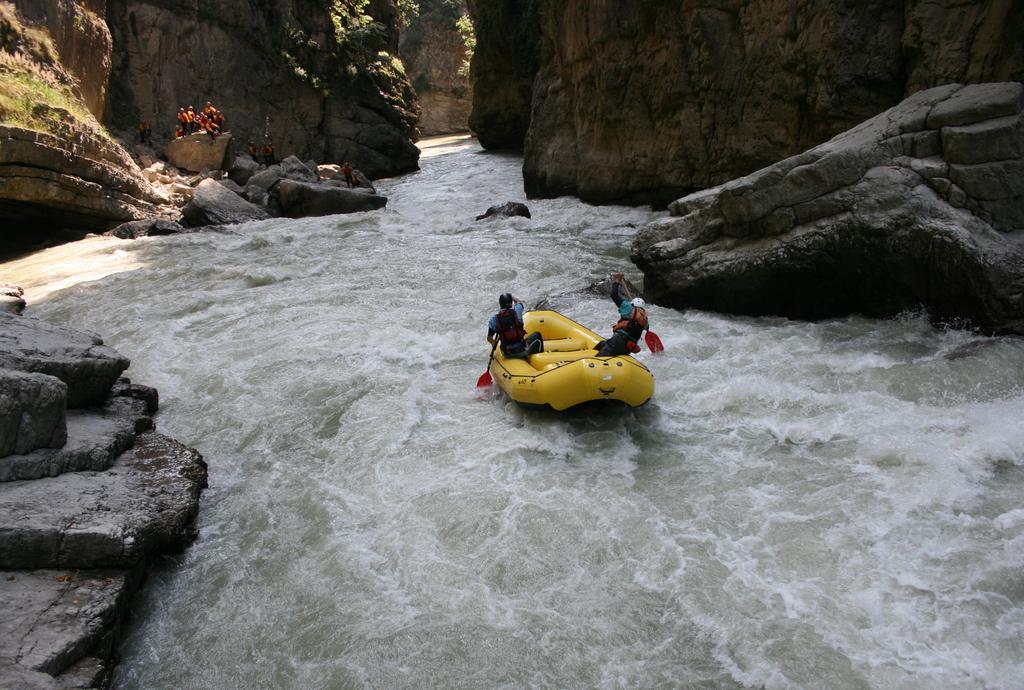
column 506, row 210
column 920, row 206
column 79, row 359
column 89, row 496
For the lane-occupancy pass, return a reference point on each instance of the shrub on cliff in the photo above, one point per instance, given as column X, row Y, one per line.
column 35, row 91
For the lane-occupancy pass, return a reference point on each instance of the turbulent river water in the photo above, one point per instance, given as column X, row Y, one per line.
column 833, row 504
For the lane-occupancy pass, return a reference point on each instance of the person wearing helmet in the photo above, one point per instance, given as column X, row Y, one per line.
column 629, row 328
column 506, row 327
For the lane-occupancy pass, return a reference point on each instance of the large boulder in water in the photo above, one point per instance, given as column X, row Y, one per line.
column 198, row 152
column 921, row 206
column 146, row 228
column 300, row 199
column 506, row 210
column 213, row 204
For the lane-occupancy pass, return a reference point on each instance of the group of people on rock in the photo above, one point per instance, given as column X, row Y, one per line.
column 209, row 120
column 263, row 154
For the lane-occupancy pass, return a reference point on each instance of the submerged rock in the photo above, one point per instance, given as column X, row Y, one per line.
column 146, row 228
column 506, row 210
column 32, row 412
column 110, row 519
column 922, row 205
column 12, row 299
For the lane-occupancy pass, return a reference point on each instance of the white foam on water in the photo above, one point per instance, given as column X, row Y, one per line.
column 835, row 504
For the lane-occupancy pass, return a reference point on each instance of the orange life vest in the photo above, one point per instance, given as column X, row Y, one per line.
column 633, row 325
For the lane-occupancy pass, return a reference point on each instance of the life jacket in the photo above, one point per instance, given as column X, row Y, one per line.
column 190, row 116
column 632, row 326
column 510, row 329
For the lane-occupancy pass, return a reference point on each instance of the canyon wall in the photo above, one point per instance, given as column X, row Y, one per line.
column 312, row 76
column 642, row 101
column 504, row 66
column 79, row 32
column 434, row 52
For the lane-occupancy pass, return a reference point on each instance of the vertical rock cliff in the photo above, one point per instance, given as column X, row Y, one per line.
column 324, row 74
column 79, row 32
column 504, row 65
column 640, row 100
column 434, row 50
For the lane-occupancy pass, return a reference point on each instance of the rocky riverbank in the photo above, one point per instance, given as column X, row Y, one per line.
column 919, row 207
column 90, row 495
column 321, row 83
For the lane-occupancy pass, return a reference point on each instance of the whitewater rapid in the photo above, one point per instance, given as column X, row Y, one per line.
column 836, row 504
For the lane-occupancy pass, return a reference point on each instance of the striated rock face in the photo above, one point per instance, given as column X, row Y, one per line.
column 922, row 205
column 80, row 34
column 506, row 210
column 79, row 180
column 104, row 519
column 324, row 95
column 88, row 499
column 79, row 359
column 504, row 65
column 643, row 101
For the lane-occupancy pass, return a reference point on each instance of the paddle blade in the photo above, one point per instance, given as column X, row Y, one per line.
column 485, row 380
column 654, row 342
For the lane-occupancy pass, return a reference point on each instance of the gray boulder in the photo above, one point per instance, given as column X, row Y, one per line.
column 244, row 168
column 231, row 186
column 200, row 151
column 79, row 359
column 506, row 210
column 12, row 300
column 294, row 169
column 300, row 199
column 95, row 438
column 212, row 204
column 115, row 519
column 922, row 205
column 146, row 228
column 32, row 412
column 51, row 617
column 266, row 179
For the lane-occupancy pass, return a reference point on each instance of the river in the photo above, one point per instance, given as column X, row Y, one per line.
column 834, row 504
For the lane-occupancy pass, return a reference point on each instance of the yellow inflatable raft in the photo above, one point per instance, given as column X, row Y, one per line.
column 569, row 372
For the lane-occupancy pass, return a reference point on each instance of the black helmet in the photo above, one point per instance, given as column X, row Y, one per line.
column 505, row 301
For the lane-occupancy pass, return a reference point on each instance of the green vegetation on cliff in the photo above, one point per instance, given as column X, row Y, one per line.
column 35, row 91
